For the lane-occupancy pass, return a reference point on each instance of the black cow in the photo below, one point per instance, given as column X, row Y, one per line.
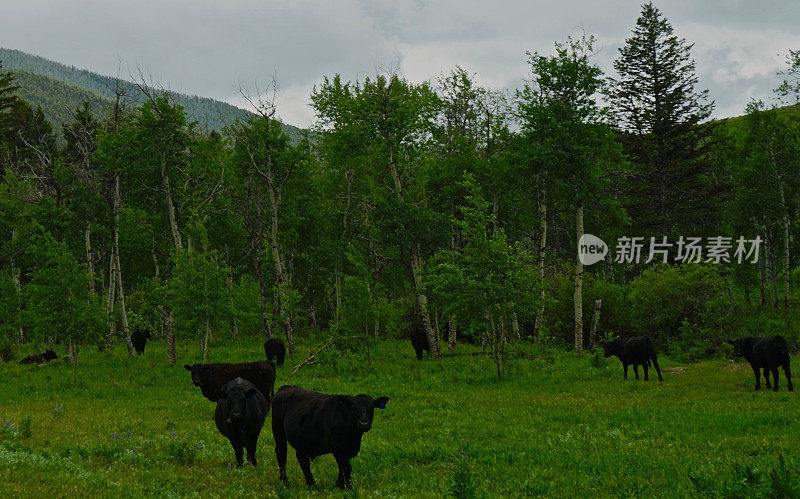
column 767, row 354
column 316, row 424
column 275, row 350
column 40, row 358
column 241, row 409
column 638, row 350
column 212, row 377
column 419, row 340
column 139, row 339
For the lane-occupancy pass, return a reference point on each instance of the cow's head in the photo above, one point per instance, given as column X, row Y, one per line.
column 610, row 348
column 362, row 409
column 237, row 393
column 198, row 372
column 742, row 346
column 50, row 355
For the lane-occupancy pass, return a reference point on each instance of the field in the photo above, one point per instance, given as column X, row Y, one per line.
column 556, row 426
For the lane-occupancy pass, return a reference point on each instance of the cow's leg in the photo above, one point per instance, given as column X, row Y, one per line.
column 774, row 369
column 787, row 370
column 305, row 465
column 766, row 377
column 625, row 370
column 280, row 447
column 251, row 452
column 645, row 368
column 757, row 372
column 636, row 370
column 658, row 369
column 344, row 479
column 238, row 451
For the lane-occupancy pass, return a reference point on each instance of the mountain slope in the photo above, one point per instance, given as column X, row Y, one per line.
column 210, row 114
column 57, row 99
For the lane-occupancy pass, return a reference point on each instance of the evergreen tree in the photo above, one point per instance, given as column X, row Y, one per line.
column 660, row 114
column 7, row 91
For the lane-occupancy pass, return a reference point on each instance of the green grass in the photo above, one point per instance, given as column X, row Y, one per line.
column 556, row 426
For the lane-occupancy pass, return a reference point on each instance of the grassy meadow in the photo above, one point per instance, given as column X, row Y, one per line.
column 556, row 426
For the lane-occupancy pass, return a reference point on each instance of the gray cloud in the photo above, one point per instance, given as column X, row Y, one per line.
column 206, row 47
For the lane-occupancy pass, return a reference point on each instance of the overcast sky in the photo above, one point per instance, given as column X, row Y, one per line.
column 207, row 47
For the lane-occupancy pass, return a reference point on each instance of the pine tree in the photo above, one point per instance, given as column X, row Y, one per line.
column 7, row 91
column 661, row 117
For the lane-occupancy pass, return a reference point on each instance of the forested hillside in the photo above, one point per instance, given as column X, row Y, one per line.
column 208, row 113
column 439, row 208
column 57, row 99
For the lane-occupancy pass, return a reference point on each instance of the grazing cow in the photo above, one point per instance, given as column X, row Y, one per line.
column 212, row 377
column 419, row 340
column 40, row 358
column 139, row 339
column 767, row 354
column 316, row 424
column 638, row 350
column 241, row 409
column 275, row 350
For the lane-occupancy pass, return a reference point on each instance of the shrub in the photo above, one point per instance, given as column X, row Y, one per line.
column 665, row 298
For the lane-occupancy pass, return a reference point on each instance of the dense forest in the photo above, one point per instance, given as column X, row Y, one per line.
column 439, row 205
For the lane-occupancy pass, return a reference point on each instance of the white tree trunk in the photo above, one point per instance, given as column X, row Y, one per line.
column 89, row 259
column 204, row 342
column 537, row 325
column 786, row 263
column 173, row 222
column 578, row 289
column 451, row 333
column 118, row 270
column 110, row 300
column 416, row 269
column 595, row 322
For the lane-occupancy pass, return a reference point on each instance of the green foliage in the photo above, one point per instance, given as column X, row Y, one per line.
column 58, row 99
column 660, row 114
column 198, row 293
column 57, row 300
column 664, row 298
column 245, row 308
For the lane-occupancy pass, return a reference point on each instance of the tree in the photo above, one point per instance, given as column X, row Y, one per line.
column 660, row 116
column 790, row 87
column 386, row 121
column 199, row 295
column 8, row 97
column 769, row 181
column 485, row 282
column 270, row 165
column 576, row 150
column 58, row 300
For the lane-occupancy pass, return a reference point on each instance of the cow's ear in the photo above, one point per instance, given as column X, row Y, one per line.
column 187, row 367
column 381, row 402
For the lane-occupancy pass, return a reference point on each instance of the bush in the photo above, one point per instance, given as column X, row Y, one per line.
column 667, row 300
column 6, row 344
